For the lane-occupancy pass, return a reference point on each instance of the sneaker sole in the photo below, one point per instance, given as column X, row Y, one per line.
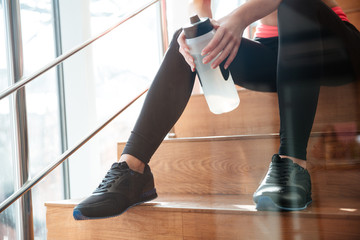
column 147, row 196
column 265, row 203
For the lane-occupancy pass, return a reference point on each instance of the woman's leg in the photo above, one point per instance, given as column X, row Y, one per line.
column 306, row 50
column 164, row 103
column 286, row 185
column 131, row 182
column 171, row 90
column 312, row 51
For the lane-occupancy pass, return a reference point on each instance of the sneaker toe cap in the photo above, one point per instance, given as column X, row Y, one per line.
column 283, row 196
column 99, row 207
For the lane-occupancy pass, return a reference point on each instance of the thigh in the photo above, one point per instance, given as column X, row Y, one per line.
column 255, row 65
column 337, row 67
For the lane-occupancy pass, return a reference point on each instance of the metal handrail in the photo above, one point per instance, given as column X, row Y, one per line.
column 31, row 182
column 71, row 52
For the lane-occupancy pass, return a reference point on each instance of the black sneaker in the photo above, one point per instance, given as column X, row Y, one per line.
column 120, row 190
column 286, row 187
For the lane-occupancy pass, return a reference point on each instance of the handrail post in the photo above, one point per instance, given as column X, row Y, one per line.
column 15, row 56
column 61, row 96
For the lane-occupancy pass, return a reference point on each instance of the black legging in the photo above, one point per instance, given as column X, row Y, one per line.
column 312, row 40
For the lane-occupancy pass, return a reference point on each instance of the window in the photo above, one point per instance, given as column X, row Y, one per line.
column 98, row 81
column 42, row 106
column 8, row 218
column 42, row 115
column 103, row 78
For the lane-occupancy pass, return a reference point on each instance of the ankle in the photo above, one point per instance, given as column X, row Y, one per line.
column 300, row 162
column 134, row 163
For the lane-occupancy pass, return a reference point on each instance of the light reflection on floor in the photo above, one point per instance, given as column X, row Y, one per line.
column 349, row 209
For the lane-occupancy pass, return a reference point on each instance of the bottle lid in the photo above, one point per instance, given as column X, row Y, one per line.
column 197, row 27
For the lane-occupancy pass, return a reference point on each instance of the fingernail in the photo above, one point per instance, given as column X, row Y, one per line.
column 226, row 66
column 205, row 61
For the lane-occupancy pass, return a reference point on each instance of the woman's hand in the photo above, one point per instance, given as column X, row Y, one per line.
column 185, row 51
column 225, row 43
column 229, row 30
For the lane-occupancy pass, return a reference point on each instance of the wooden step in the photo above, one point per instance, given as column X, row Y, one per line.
column 208, row 217
column 352, row 10
column 258, row 114
column 349, row 5
column 237, row 164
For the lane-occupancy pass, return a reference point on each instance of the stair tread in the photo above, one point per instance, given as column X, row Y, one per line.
column 233, row 204
column 255, row 136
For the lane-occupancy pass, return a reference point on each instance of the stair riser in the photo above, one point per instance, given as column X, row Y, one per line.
column 206, row 226
column 137, row 223
column 237, row 166
column 258, row 113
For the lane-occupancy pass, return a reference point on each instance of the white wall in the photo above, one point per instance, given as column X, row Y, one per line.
column 177, row 11
column 178, row 14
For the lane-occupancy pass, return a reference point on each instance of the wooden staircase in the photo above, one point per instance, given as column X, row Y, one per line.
column 205, row 184
column 205, row 177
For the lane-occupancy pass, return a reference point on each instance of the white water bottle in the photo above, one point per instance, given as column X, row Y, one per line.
column 217, row 84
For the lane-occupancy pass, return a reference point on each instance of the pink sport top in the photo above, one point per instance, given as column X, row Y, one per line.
column 266, row 31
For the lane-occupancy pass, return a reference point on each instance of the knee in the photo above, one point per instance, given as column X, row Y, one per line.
column 174, row 43
column 289, row 10
column 284, row 9
column 176, row 34
column 287, row 5
column 297, row 4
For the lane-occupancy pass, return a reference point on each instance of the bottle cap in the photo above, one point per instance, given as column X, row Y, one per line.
column 197, row 27
column 194, row 19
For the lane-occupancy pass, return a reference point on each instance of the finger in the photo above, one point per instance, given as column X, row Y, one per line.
column 223, row 55
column 188, row 58
column 182, row 41
column 231, row 56
column 226, row 40
column 231, row 48
column 186, row 54
column 215, row 24
column 214, row 42
column 184, row 49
